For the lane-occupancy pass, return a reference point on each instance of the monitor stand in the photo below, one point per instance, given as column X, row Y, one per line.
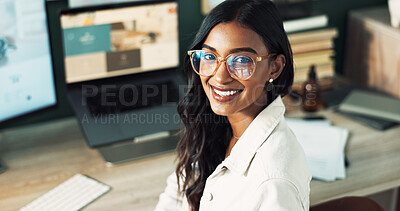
column 141, row 147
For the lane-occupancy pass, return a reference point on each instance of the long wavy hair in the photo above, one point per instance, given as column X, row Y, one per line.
column 206, row 135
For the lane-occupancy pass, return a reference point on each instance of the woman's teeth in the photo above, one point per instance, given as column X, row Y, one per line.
column 225, row 93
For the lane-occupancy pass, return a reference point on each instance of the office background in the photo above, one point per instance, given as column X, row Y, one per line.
column 190, row 18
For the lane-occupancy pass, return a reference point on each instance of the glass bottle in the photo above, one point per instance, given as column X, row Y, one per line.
column 311, row 91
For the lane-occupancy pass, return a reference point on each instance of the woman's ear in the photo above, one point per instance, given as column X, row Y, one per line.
column 277, row 66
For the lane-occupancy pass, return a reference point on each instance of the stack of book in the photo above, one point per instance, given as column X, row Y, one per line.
column 315, row 47
column 311, row 40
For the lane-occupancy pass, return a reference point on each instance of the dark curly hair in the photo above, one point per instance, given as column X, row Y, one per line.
column 206, row 135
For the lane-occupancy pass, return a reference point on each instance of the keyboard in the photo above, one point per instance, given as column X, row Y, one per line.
column 128, row 97
column 73, row 194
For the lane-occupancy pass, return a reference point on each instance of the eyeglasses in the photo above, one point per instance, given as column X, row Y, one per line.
column 240, row 66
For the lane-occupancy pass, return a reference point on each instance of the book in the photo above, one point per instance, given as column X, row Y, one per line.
column 324, row 84
column 313, row 58
column 323, row 71
column 307, row 55
column 301, row 24
column 306, row 47
column 376, row 123
column 328, row 64
column 314, row 35
column 371, row 104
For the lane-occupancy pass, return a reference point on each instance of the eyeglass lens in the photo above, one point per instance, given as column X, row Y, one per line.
column 239, row 66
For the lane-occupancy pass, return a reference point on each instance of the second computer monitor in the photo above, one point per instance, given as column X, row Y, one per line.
column 26, row 75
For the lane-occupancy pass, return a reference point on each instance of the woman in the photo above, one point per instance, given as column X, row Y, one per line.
column 236, row 151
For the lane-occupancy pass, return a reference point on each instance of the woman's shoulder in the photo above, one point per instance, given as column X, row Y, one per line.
column 282, row 157
column 281, row 146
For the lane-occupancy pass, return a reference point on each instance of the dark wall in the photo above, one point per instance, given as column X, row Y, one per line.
column 189, row 21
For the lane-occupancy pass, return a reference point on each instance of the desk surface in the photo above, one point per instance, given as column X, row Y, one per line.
column 42, row 156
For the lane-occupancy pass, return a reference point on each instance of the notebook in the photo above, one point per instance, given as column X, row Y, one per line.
column 371, row 104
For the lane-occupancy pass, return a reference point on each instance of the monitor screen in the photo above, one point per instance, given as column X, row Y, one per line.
column 118, row 41
column 26, row 75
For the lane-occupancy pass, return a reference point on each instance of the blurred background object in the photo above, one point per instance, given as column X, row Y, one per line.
column 4, row 46
column 372, row 53
column 394, row 8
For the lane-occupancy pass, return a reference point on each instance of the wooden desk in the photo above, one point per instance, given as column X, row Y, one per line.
column 41, row 157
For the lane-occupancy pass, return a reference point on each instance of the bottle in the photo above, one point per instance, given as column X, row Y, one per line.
column 311, row 92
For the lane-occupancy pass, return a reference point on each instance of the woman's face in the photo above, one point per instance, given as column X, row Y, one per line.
column 229, row 96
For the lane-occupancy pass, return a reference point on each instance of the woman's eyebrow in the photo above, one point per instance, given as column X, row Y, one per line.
column 208, row 47
column 246, row 49
column 235, row 50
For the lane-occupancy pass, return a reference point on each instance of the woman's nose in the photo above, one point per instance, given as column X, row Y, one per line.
column 222, row 75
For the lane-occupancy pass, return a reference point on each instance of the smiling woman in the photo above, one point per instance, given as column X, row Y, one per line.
column 236, row 151
column 248, row 98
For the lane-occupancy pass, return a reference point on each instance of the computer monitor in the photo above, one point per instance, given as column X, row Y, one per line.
column 115, row 40
column 133, row 45
column 26, row 74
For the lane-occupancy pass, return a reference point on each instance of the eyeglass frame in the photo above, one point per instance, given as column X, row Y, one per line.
column 221, row 59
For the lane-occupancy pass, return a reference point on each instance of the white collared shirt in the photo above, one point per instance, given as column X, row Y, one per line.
column 266, row 170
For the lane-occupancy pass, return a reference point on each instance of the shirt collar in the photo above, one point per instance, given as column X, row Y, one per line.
column 254, row 137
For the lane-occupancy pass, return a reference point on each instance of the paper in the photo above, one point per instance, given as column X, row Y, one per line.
column 341, row 169
column 323, row 145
